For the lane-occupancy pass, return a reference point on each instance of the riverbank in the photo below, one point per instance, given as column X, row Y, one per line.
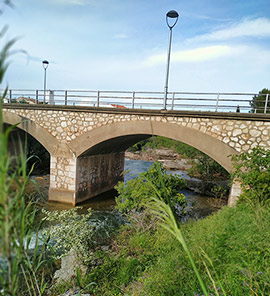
column 173, row 161
column 170, row 159
column 230, row 249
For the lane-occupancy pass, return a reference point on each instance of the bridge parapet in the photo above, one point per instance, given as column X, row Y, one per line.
column 220, row 101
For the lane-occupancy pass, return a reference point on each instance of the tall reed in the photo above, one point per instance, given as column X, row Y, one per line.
column 20, row 266
column 166, row 216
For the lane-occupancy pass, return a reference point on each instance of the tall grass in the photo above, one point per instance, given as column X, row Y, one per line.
column 20, row 268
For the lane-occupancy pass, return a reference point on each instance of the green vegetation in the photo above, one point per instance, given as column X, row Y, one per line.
column 203, row 167
column 137, row 192
column 258, row 102
column 157, row 142
column 153, row 263
column 41, row 161
column 22, row 268
column 71, row 233
column 224, row 254
column 253, row 171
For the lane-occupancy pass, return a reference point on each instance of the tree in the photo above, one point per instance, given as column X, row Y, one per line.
column 258, row 102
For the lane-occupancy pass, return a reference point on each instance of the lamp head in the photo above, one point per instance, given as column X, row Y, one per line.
column 45, row 64
column 172, row 14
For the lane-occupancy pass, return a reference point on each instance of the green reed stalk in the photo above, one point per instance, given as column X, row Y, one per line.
column 16, row 214
column 163, row 211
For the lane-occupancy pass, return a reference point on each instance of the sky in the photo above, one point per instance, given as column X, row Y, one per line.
column 217, row 45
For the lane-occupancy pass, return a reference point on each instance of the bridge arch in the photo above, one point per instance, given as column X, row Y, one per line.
column 209, row 145
column 40, row 134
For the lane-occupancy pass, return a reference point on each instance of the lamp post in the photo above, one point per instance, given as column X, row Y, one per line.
column 45, row 66
column 172, row 14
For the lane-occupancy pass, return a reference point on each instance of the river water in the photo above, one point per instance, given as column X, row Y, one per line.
column 199, row 206
column 105, row 218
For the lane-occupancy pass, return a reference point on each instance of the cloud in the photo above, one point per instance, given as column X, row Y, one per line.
column 259, row 27
column 200, row 54
column 204, row 17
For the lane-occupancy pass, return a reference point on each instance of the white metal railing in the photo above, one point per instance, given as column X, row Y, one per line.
column 217, row 102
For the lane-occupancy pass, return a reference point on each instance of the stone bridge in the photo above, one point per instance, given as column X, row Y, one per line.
column 87, row 144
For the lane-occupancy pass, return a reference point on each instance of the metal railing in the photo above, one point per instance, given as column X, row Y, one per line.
column 216, row 102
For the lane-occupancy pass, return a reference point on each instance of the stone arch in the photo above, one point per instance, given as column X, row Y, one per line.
column 29, row 126
column 209, row 145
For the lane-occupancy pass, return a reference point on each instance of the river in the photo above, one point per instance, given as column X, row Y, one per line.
column 199, row 206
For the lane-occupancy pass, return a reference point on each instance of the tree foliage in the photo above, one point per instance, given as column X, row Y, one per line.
column 206, row 168
column 252, row 170
column 258, row 102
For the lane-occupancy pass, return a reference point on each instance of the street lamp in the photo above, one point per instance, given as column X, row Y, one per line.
column 45, row 66
column 172, row 14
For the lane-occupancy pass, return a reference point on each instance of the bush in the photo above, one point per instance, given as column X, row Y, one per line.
column 70, row 232
column 136, row 192
column 206, row 168
column 252, row 170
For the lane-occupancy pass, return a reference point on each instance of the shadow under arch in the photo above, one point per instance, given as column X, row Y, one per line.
column 109, row 134
column 40, row 134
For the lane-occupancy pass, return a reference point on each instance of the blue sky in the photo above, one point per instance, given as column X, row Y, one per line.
column 217, row 45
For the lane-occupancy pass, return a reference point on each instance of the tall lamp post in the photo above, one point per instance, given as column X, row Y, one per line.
column 45, row 66
column 172, row 14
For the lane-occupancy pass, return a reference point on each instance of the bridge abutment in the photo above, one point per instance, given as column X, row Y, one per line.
column 76, row 179
column 234, row 193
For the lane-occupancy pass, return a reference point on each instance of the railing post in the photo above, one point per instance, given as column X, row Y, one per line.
column 10, row 95
column 173, row 100
column 217, row 102
column 51, row 97
column 98, row 98
column 165, row 100
column 36, row 96
column 66, row 97
column 266, row 103
column 133, row 100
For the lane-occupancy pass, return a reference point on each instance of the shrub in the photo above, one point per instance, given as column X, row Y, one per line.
column 252, row 170
column 70, row 232
column 136, row 192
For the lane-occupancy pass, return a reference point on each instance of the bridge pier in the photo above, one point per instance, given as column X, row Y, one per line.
column 63, row 179
column 75, row 179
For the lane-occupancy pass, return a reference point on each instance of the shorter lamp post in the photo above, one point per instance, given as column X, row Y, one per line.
column 172, row 14
column 45, row 66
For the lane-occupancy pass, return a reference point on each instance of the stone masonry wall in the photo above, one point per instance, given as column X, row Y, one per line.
column 65, row 126
column 63, row 173
column 98, row 174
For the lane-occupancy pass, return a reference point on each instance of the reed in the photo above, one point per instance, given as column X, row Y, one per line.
column 20, row 270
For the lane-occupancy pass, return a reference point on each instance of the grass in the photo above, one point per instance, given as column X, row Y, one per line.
column 231, row 249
